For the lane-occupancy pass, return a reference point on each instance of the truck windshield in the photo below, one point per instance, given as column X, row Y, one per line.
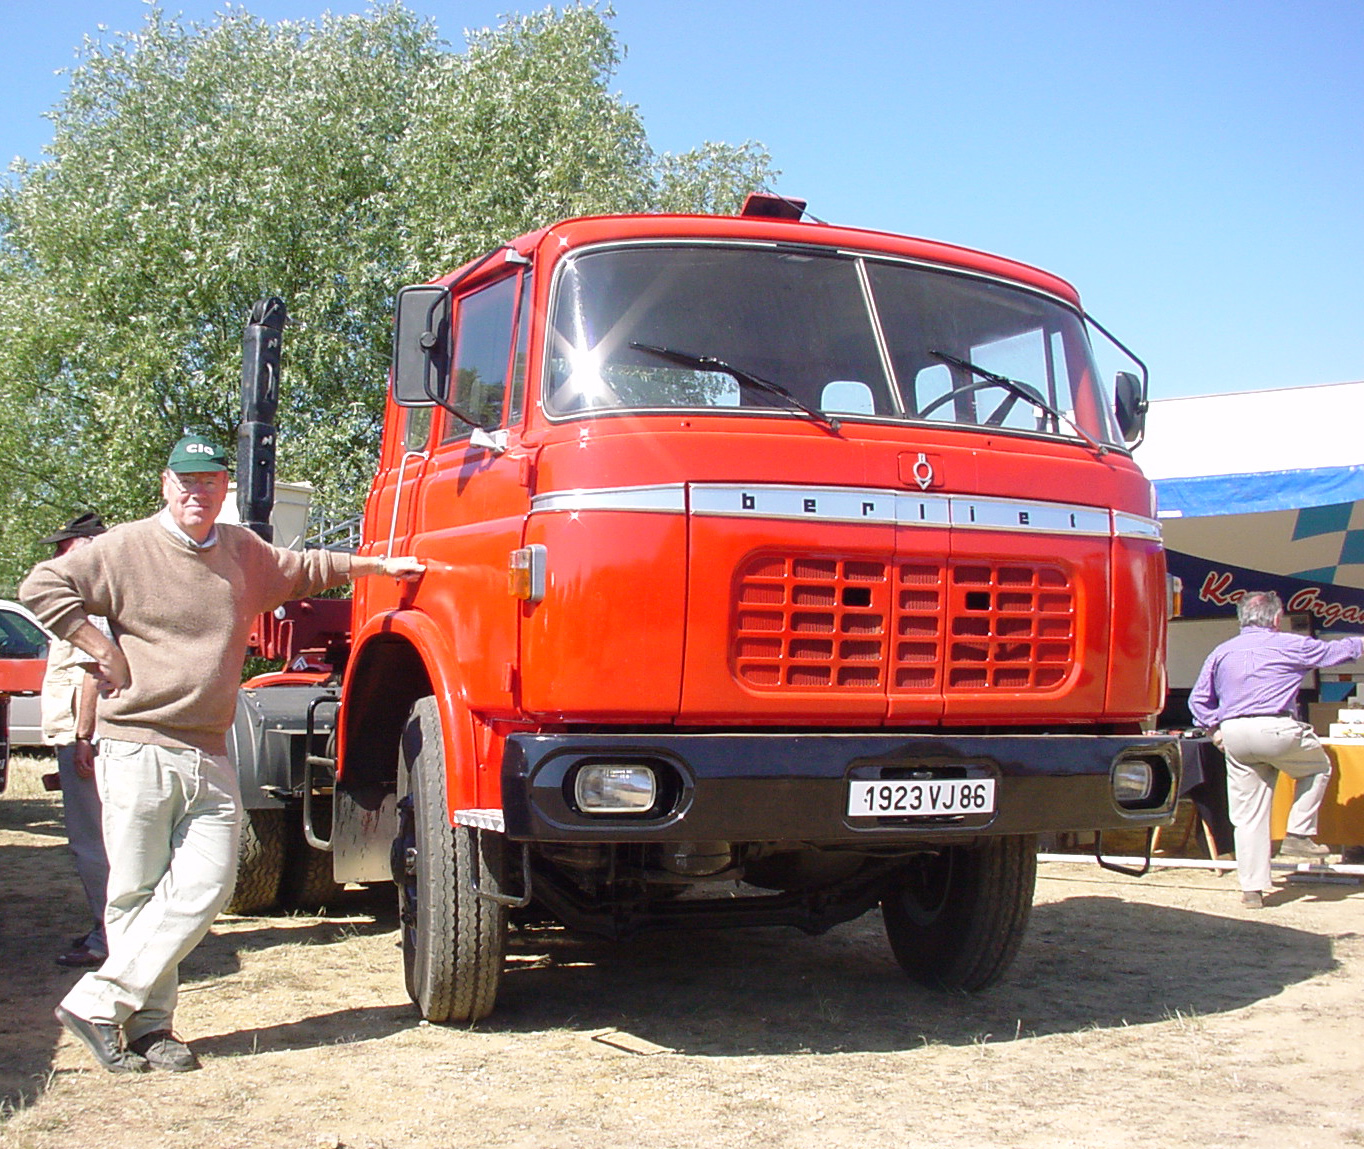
column 844, row 334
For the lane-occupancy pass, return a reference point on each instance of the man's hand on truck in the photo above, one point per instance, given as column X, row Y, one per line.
column 405, row 567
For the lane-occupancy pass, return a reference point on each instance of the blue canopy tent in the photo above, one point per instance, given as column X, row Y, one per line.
column 1270, row 481
column 1262, row 490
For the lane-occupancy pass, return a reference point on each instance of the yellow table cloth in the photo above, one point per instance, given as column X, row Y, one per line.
column 1342, row 810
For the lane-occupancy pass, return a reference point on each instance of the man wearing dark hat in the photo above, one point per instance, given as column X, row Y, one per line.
column 68, row 707
column 180, row 591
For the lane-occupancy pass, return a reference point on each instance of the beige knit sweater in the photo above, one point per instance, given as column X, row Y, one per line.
column 181, row 617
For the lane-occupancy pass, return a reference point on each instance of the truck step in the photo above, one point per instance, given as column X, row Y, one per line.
column 480, row 819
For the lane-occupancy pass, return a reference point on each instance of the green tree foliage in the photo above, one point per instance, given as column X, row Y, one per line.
column 196, row 168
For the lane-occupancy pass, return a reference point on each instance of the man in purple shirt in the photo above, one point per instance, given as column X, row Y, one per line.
column 1247, row 695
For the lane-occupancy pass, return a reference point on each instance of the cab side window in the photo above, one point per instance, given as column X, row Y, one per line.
column 482, row 354
column 418, row 428
column 522, row 349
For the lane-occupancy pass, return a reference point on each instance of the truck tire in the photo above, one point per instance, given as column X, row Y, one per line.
column 452, row 939
column 308, row 885
column 955, row 919
column 260, row 862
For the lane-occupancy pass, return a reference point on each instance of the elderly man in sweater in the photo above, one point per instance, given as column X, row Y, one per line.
column 179, row 591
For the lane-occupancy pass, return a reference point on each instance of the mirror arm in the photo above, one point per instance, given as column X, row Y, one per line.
column 494, row 441
column 1144, row 400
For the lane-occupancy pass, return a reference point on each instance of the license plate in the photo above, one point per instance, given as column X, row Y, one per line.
column 921, row 799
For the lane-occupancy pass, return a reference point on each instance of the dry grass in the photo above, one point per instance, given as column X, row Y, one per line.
column 26, row 772
column 1152, row 1011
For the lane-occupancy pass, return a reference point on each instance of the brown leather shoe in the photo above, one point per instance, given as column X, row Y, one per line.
column 104, row 1041
column 1299, row 846
column 1252, row 899
column 163, row 1050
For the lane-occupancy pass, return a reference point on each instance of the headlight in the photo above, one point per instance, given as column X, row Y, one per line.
column 615, row 788
column 1132, row 782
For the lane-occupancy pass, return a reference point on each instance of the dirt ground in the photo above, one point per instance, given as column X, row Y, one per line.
column 1154, row 1012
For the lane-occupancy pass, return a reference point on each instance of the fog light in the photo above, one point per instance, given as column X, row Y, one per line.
column 615, row 789
column 1132, row 782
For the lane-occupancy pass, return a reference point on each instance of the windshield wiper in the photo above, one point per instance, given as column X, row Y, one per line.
column 1023, row 391
column 710, row 363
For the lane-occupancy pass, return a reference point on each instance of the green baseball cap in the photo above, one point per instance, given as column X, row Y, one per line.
column 194, row 453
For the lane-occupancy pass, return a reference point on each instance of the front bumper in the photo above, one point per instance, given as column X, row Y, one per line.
column 794, row 787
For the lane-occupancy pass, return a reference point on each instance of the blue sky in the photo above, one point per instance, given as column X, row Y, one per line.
column 1195, row 168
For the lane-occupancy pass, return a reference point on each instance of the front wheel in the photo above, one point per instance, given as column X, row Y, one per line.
column 452, row 939
column 955, row 919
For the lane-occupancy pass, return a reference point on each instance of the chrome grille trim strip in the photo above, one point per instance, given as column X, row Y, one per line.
column 666, row 498
column 854, row 505
column 824, row 504
column 1028, row 515
column 1126, row 526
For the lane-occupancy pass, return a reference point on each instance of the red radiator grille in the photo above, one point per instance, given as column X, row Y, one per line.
column 811, row 621
column 1012, row 627
column 919, row 601
column 820, row 622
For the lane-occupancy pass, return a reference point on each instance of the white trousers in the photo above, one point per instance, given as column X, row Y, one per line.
column 171, row 823
column 1257, row 749
column 82, row 815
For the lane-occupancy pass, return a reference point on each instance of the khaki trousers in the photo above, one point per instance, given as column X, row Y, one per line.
column 172, row 818
column 82, row 815
column 1257, row 749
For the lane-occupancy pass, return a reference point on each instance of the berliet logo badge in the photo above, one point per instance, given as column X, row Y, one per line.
column 923, row 472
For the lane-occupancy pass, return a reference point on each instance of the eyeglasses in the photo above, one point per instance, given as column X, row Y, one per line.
column 200, row 484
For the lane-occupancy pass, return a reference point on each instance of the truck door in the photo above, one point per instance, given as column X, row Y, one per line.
column 470, row 500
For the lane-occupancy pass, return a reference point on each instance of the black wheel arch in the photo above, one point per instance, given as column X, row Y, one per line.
column 385, row 679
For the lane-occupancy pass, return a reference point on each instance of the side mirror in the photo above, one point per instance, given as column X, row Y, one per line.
column 421, row 346
column 1129, row 407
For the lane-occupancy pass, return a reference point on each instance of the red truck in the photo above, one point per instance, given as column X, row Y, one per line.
column 775, row 571
column 23, row 659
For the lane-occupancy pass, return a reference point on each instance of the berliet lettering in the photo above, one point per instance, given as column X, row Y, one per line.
column 851, row 504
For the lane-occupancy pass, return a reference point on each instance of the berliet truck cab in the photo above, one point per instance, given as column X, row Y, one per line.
column 775, row 571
